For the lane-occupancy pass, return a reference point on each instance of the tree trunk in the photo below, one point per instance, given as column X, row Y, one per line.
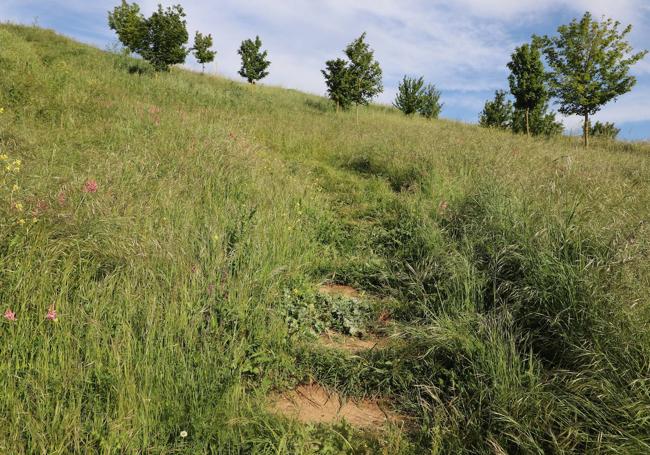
column 585, row 131
column 527, row 124
column 202, row 68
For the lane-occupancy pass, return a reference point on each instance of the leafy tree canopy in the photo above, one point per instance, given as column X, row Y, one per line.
column 527, row 81
column 338, row 82
column 159, row 39
column 606, row 130
column 540, row 122
column 409, row 95
column 413, row 96
column 129, row 25
column 497, row 113
column 365, row 72
column 202, row 51
column 430, row 105
column 590, row 62
column 254, row 62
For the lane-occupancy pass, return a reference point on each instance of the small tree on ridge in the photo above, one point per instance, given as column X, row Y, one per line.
column 253, row 61
column 202, row 51
column 129, row 25
column 497, row 113
column 159, row 39
column 337, row 80
column 527, row 80
column 590, row 64
column 365, row 72
column 430, row 105
column 409, row 95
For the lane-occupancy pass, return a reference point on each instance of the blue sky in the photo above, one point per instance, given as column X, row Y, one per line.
column 462, row 46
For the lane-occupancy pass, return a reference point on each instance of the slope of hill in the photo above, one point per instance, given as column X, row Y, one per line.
column 180, row 226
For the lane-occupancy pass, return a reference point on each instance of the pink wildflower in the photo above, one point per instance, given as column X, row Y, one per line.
column 51, row 314
column 90, row 186
column 41, row 207
column 10, row 315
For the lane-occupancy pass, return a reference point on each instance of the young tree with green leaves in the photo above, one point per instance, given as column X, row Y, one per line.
column 167, row 37
column 337, row 80
column 364, row 72
column 590, row 63
column 497, row 113
column 254, row 63
column 527, row 80
column 130, row 26
column 540, row 122
column 430, row 105
column 202, row 52
column 605, row 130
column 159, row 39
column 409, row 95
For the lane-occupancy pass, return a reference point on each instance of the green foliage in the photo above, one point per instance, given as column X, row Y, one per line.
column 500, row 113
column 364, row 71
column 129, row 25
column 430, row 102
column 310, row 313
column 202, row 51
column 590, row 62
column 409, row 95
column 166, row 38
column 497, row 113
column 159, row 39
column 253, row 61
column 527, row 81
column 605, row 130
column 540, row 122
column 355, row 81
column 413, row 96
column 338, row 81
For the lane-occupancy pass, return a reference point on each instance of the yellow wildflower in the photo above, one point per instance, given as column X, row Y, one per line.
column 34, row 220
column 15, row 188
column 4, row 157
column 18, row 206
column 2, row 109
column 21, row 221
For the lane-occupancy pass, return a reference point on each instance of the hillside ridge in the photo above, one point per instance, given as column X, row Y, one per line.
column 166, row 239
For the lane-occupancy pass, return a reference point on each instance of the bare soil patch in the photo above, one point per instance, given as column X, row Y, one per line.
column 339, row 290
column 311, row 403
column 350, row 344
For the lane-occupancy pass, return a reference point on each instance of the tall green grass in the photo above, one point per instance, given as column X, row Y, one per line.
column 515, row 271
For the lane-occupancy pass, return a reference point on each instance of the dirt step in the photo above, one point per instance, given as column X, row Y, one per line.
column 311, row 403
column 353, row 345
column 339, row 290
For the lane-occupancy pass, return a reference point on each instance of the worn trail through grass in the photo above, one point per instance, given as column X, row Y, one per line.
column 194, row 236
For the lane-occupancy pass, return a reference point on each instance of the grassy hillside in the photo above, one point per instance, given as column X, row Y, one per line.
column 511, row 275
